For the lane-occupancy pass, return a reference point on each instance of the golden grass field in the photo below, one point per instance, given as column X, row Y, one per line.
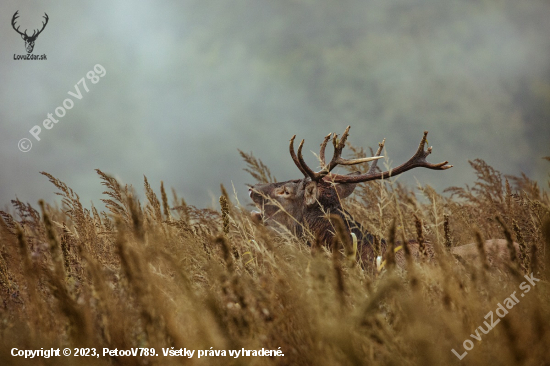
column 158, row 273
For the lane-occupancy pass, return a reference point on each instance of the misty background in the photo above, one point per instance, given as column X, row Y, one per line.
column 190, row 82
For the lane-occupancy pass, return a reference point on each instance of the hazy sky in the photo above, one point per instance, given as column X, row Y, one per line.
column 177, row 101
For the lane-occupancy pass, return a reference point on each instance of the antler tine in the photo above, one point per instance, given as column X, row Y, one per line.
column 358, row 160
column 295, row 158
column 345, row 135
column 322, row 151
column 417, row 160
column 338, row 147
column 372, row 168
column 313, row 175
column 421, row 155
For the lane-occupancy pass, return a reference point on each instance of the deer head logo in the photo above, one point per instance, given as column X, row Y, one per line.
column 29, row 40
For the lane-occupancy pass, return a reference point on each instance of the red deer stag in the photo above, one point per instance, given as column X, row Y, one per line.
column 304, row 203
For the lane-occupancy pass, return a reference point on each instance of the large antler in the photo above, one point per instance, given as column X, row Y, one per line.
column 416, row 161
column 15, row 16
column 335, row 161
column 43, row 26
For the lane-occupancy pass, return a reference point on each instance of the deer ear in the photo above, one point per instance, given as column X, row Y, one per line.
column 23, row 36
column 344, row 190
column 310, row 193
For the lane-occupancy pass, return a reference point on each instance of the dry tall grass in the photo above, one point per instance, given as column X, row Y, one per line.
column 159, row 274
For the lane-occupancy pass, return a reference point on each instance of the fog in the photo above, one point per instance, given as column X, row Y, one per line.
column 188, row 83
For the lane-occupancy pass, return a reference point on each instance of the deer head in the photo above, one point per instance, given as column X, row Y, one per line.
column 29, row 40
column 304, row 203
